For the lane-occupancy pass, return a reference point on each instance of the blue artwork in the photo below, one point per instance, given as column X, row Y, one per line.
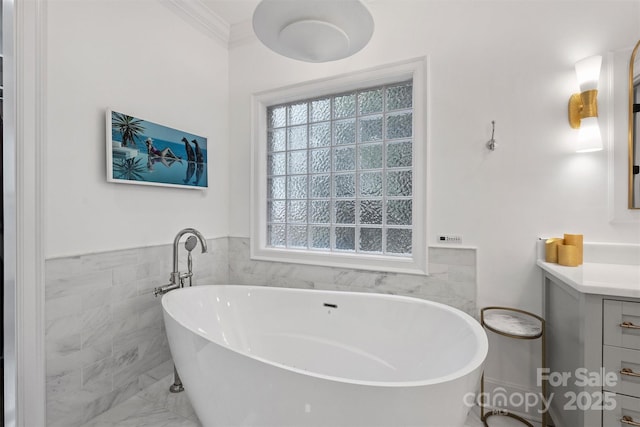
column 144, row 152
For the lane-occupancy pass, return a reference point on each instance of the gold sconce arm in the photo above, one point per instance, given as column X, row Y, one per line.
column 581, row 106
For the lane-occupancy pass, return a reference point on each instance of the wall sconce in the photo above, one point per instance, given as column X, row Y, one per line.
column 583, row 107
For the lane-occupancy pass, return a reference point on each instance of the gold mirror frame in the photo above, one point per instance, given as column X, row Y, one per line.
column 633, row 204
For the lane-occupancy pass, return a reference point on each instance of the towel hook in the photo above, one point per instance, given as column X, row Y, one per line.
column 491, row 144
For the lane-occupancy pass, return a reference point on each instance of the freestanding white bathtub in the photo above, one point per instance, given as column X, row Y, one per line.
column 265, row 356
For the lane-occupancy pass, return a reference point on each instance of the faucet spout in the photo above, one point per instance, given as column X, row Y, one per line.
column 161, row 290
column 177, row 280
column 176, row 241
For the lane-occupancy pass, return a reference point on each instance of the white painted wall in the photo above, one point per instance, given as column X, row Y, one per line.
column 141, row 58
column 508, row 61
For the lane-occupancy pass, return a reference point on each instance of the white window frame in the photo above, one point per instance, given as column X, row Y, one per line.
column 414, row 70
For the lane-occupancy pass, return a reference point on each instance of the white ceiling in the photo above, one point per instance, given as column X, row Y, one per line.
column 232, row 11
column 228, row 20
column 237, row 11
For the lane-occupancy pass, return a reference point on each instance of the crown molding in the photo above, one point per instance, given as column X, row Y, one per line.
column 242, row 33
column 201, row 17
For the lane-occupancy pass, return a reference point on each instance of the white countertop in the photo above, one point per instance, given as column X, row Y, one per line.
column 622, row 280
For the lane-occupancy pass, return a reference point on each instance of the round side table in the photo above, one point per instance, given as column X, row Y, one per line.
column 518, row 324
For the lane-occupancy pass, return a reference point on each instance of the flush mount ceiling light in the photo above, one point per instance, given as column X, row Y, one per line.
column 313, row 30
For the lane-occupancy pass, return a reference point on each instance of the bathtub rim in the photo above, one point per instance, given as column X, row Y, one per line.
column 478, row 332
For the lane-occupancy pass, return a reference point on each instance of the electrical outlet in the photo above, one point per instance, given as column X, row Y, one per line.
column 449, row 238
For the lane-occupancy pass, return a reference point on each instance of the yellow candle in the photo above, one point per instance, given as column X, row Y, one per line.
column 568, row 255
column 575, row 240
column 551, row 249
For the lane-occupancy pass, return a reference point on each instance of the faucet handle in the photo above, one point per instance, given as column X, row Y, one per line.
column 161, row 290
column 174, row 277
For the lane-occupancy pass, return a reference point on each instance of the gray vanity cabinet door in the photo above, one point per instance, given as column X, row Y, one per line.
column 625, row 406
column 621, row 354
column 618, row 312
column 615, row 360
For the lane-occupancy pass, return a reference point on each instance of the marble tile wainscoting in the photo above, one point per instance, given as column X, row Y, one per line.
column 451, row 280
column 104, row 328
column 105, row 334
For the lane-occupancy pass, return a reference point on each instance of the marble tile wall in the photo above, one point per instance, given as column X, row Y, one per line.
column 451, row 280
column 104, row 328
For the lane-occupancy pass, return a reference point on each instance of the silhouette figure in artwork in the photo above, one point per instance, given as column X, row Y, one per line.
column 199, row 171
column 190, row 156
column 165, row 152
column 191, row 168
column 199, row 156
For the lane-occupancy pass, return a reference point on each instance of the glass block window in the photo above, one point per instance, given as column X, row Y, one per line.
column 340, row 172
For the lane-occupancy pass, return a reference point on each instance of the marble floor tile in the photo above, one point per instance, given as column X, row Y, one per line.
column 474, row 420
column 177, row 403
column 155, row 406
column 139, row 412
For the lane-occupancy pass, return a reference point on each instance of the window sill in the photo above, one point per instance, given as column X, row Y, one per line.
column 383, row 263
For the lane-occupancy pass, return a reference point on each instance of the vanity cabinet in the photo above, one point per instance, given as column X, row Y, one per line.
column 626, row 412
column 593, row 348
column 621, row 354
column 574, row 348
